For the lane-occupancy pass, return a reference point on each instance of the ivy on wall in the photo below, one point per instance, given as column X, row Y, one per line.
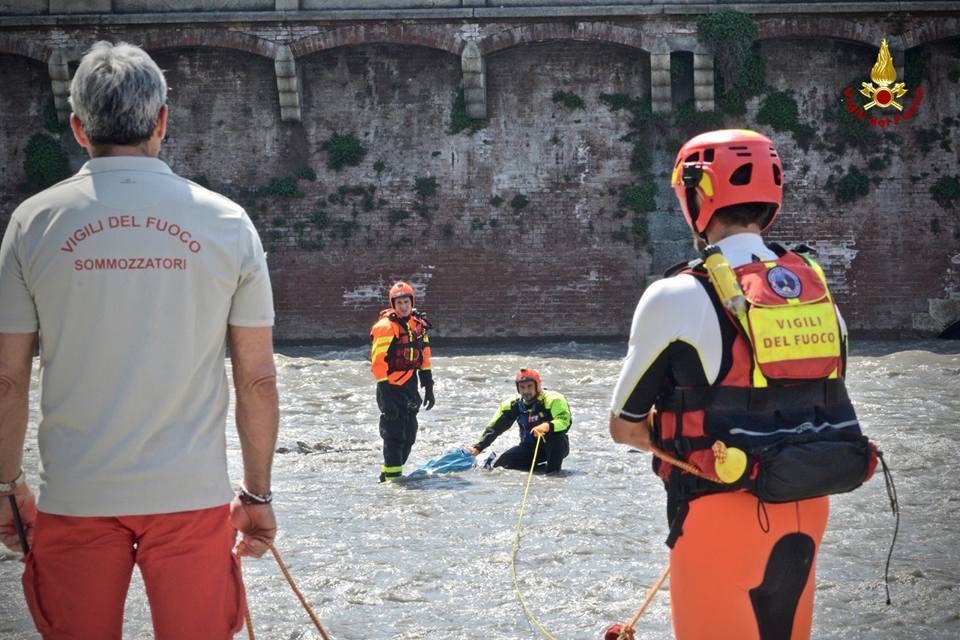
column 459, row 120
column 45, row 163
column 343, row 151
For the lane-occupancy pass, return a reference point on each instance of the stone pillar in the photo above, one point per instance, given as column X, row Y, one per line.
column 660, row 97
column 288, row 87
column 898, row 53
column 60, row 80
column 474, row 80
column 287, row 5
column 703, row 81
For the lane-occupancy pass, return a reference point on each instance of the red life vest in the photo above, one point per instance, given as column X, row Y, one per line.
column 779, row 396
column 406, row 350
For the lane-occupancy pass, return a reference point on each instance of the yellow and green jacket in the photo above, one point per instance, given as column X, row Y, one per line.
column 549, row 406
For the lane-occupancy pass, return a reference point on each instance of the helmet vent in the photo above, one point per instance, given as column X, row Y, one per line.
column 777, row 179
column 742, row 175
column 695, row 157
column 708, row 155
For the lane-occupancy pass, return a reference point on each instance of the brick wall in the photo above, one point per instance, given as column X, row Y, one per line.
column 566, row 264
column 25, row 91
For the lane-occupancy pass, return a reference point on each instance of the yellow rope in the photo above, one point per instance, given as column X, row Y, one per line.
column 516, row 548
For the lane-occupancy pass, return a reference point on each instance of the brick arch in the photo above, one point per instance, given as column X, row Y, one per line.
column 25, row 47
column 155, row 40
column 584, row 32
column 357, row 35
column 826, row 27
column 931, row 31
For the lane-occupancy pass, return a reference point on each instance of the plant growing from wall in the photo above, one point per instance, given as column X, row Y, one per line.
column 496, row 201
column 639, row 228
column 852, row 186
column 640, row 196
column 425, row 187
column 320, row 220
column 519, row 202
column 343, row 151
column 915, row 62
column 780, row 111
column 730, row 35
column 568, row 99
column 203, row 181
column 280, row 187
column 460, row 120
column 946, row 191
column 397, row 216
column 51, row 120
column 305, row 172
column 379, row 166
column 44, row 162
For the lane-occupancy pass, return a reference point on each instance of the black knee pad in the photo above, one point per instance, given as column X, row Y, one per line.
column 775, row 600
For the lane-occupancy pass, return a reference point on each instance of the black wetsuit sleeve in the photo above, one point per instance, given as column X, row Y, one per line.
column 506, row 415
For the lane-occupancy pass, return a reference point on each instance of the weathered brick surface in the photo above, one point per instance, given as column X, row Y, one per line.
column 565, row 264
column 25, row 90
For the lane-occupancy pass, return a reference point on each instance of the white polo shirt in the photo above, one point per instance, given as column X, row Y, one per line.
column 131, row 275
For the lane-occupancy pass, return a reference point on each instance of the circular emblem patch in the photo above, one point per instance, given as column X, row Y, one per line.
column 784, row 282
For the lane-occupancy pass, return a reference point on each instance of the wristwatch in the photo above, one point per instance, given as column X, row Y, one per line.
column 9, row 487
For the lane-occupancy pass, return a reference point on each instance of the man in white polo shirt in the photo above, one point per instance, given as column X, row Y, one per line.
column 134, row 279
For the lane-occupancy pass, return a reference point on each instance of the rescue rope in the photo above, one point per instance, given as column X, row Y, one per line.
column 686, row 466
column 246, row 610
column 626, row 633
column 516, row 547
column 296, row 590
column 895, row 508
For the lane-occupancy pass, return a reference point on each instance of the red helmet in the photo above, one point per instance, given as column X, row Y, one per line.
column 727, row 167
column 400, row 289
column 528, row 375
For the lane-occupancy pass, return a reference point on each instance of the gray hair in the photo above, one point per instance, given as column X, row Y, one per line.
column 117, row 93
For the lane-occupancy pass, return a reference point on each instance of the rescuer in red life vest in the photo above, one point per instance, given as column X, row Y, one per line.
column 400, row 351
column 743, row 353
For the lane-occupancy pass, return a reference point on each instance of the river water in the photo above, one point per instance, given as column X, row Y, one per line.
column 431, row 559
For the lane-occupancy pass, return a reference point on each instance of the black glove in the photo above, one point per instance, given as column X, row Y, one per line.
column 428, row 399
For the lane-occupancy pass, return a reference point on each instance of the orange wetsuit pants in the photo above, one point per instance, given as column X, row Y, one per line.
column 743, row 570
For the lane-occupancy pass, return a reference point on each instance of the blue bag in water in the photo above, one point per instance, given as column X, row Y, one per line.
column 455, row 460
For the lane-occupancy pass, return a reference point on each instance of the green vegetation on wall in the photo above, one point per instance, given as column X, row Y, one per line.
column 780, row 111
column 639, row 196
column 946, row 191
column 51, row 120
column 568, row 99
column 730, row 35
column 343, row 151
column 852, row 186
column 45, row 163
column 519, row 201
column 459, row 120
